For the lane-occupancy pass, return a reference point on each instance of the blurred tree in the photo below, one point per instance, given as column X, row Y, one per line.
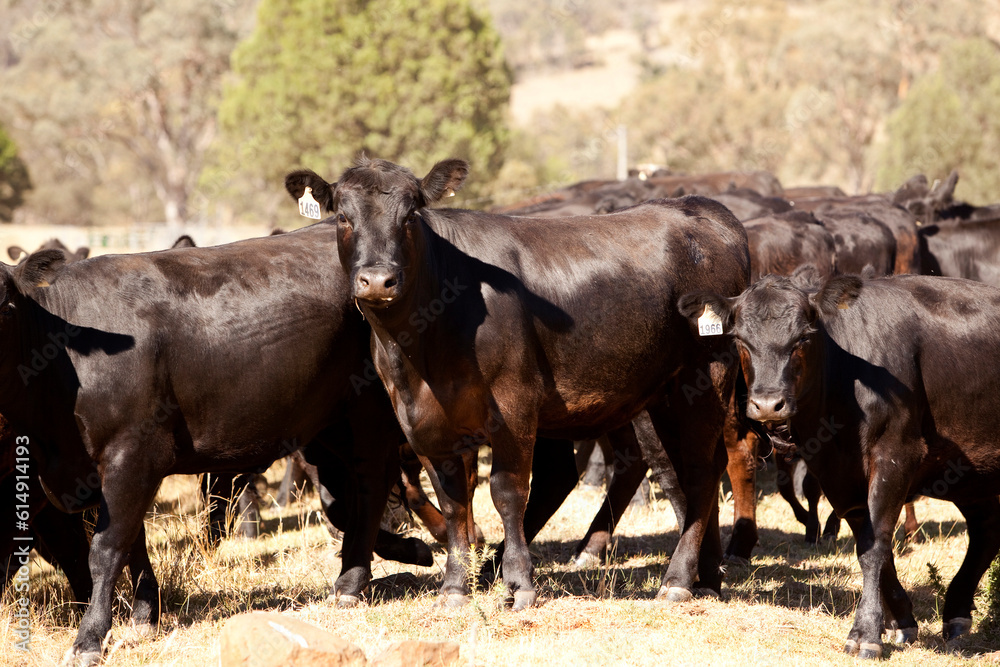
column 722, row 107
column 113, row 102
column 14, row 180
column 949, row 121
column 319, row 81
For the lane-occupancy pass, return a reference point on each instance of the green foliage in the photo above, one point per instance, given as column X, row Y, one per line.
column 113, row 102
column 937, row 585
column 991, row 593
column 949, row 121
column 319, row 81
column 14, row 179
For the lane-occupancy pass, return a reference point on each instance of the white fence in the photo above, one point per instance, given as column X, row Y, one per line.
column 137, row 237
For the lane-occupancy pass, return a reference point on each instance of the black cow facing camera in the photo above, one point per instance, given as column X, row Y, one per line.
column 887, row 389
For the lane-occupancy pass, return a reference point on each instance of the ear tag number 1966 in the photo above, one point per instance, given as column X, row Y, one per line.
column 308, row 206
column 709, row 324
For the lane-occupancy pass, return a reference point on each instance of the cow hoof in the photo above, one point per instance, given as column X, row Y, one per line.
column 81, row 659
column 870, row 651
column 524, row 599
column 674, row 594
column 586, row 560
column 345, row 601
column 850, row 647
column 903, row 636
column 736, row 561
column 451, row 601
column 706, row 593
column 956, row 627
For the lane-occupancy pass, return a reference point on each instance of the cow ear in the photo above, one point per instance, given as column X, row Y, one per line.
column 40, row 269
column 692, row 306
column 15, row 252
column 444, row 180
column 837, row 293
column 83, row 252
column 297, row 182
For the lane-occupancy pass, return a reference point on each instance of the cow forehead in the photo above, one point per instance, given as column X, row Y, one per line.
column 771, row 312
column 378, row 179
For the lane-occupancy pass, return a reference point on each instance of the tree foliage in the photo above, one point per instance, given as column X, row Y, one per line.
column 113, row 102
column 949, row 121
column 802, row 89
column 319, row 81
column 14, row 179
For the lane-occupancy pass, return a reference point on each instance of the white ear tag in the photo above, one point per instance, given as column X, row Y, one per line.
column 709, row 324
column 308, row 206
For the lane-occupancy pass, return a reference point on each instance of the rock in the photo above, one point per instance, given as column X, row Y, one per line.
column 414, row 653
column 273, row 640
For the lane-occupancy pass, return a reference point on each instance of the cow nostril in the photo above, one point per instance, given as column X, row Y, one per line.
column 390, row 282
column 363, row 280
column 778, row 406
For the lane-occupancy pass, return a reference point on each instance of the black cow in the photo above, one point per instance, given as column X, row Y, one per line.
column 886, row 388
column 962, row 249
column 57, row 537
column 17, row 253
column 122, row 372
column 488, row 328
column 783, row 242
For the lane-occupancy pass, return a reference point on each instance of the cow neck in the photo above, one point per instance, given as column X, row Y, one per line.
column 27, row 387
column 397, row 320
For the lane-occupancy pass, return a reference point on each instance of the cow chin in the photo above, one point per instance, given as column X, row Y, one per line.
column 377, row 298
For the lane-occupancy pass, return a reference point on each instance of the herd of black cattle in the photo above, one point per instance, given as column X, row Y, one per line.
column 683, row 319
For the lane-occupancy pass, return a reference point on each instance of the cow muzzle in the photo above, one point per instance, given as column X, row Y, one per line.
column 769, row 408
column 377, row 285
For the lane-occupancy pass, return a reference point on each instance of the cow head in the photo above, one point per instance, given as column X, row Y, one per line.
column 377, row 206
column 777, row 324
column 39, row 269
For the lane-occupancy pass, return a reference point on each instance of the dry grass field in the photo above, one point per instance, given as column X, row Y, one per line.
column 793, row 605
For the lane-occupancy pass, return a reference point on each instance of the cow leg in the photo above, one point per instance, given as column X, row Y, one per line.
column 145, row 589
column 114, row 540
column 509, row 485
column 910, row 525
column 334, row 500
column 416, row 499
column 983, row 524
column 690, row 426
column 247, row 520
column 786, row 487
column 294, row 481
column 629, row 471
column 813, row 492
column 584, row 453
column 451, row 483
column 832, row 527
column 651, row 449
column 881, row 589
column 374, row 469
column 742, row 470
column 62, row 540
column 553, row 476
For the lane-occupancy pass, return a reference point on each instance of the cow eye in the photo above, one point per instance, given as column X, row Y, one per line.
column 342, row 219
column 802, row 341
column 411, row 218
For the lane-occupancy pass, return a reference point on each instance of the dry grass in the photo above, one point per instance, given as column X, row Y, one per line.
column 793, row 605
